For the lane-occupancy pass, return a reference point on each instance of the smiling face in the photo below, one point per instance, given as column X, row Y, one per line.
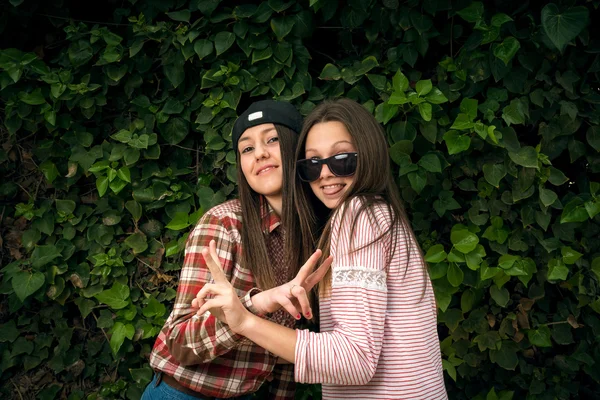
column 324, row 140
column 260, row 161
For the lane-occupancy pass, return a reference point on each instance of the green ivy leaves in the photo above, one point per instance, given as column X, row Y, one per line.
column 119, row 332
column 137, row 242
column 494, row 149
column 422, row 98
column 181, row 15
column 282, row 26
column 473, row 12
column 109, row 176
column 456, row 142
column 494, row 173
column 42, row 255
column 223, row 41
column 117, row 297
column 463, row 240
column 500, row 295
column 435, row 254
column 563, row 26
column 203, row 48
column 26, row 283
column 540, row 337
column 34, row 98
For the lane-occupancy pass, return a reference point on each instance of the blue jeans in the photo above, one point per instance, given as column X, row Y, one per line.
column 166, row 392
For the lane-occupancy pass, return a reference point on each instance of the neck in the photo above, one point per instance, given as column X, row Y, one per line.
column 275, row 202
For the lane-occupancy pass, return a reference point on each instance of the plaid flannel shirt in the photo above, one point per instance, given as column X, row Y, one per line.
column 201, row 352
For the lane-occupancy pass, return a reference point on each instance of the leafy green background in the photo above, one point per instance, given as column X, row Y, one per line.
column 116, row 125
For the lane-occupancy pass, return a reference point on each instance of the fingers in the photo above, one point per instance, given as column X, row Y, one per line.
column 221, row 285
column 207, row 289
column 208, row 305
column 316, row 276
column 302, row 299
column 212, row 262
column 309, row 265
column 217, row 303
column 290, row 308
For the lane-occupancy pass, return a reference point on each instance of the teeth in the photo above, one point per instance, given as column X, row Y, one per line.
column 264, row 170
column 331, row 186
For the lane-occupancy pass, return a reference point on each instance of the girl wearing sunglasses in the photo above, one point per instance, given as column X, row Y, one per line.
column 377, row 307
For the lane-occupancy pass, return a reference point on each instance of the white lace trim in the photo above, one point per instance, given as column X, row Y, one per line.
column 362, row 277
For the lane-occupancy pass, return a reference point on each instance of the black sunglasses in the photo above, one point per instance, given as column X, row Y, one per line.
column 343, row 164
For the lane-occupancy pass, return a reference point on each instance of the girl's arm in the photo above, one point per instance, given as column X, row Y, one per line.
column 348, row 354
column 226, row 306
column 275, row 338
column 195, row 339
column 353, row 314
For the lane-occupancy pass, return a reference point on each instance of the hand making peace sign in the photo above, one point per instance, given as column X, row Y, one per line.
column 224, row 305
column 227, row 307
column 293, row 296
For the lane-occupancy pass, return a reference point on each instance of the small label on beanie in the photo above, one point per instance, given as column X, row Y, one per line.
column 255, row 115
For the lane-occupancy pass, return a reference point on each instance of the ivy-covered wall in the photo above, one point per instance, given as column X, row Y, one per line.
column 116, row 127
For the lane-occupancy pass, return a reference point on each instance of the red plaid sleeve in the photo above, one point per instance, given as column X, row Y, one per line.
column 193, row 339
column 283, row 385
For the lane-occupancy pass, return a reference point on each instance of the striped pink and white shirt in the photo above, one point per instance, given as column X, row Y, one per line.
column 378, row 326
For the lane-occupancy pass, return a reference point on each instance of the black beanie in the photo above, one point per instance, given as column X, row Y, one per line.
column 264, row 112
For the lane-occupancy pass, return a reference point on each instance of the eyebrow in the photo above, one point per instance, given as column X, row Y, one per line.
column 333, row 145
column 266, row 130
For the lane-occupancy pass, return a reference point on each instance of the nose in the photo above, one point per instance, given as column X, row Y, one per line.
column 325, row 172
column 261, row 151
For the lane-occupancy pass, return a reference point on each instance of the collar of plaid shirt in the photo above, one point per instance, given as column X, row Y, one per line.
column 270, row 219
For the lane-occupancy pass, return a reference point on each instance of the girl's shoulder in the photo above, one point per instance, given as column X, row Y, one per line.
column 228, row 208
column 228, row 215
column 374, row 208
column 363, row 214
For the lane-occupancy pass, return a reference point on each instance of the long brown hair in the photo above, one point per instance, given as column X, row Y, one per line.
column 254, row 206
column 373, row 181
